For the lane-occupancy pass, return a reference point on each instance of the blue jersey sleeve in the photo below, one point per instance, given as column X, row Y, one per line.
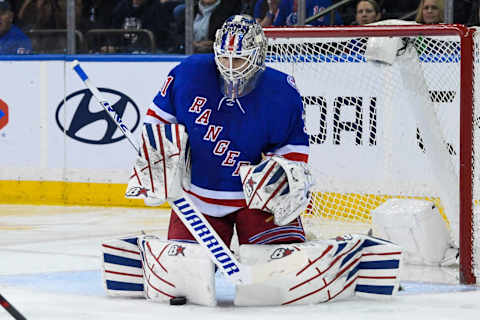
column 162, row 109
column 288, row 134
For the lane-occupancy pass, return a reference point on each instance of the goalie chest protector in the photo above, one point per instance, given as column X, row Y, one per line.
column 226, row 133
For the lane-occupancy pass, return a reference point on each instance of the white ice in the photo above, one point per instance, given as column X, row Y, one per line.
column 50, row 269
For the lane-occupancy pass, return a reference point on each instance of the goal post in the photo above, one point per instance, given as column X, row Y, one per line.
column 391, row 112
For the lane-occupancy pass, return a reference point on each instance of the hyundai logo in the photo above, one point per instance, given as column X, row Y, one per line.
column 88, row 122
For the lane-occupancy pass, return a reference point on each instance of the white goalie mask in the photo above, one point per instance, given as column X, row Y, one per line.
column 240, row 49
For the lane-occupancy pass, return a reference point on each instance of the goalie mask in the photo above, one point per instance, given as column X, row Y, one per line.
column 240, row 49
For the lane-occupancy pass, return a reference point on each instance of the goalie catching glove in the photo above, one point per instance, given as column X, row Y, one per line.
column 159, row 169
column 278, row 186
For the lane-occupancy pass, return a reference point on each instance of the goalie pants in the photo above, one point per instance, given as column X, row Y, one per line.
column 253, row 227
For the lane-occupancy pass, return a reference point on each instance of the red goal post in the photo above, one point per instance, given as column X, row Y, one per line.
column 362, row 106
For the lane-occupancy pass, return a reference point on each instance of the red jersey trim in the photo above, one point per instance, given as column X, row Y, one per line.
column 222, row 202
column 294, row 156
column 152, row 113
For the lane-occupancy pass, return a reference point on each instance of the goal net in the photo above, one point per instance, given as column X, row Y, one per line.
column 390, row 113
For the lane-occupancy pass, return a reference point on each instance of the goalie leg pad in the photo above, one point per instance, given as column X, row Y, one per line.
column 174, row 269
column 159, row 169
column 378, row 273
column 332, row 270
column 122, row 268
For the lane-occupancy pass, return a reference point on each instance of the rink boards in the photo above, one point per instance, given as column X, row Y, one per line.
column 58, row 146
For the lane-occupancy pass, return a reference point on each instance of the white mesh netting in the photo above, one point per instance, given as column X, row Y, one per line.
column 383, row 116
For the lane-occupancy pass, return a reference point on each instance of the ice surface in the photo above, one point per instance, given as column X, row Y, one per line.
column 50, row 269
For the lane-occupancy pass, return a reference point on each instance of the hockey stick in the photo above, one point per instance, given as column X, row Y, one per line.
column 195, row 222
column 11, row 309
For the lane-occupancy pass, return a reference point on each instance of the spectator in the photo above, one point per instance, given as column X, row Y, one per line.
column 179, row 17
column 368, row 11
column 247, row 7
column 133, row 15
column 47, row 14
column 61, row 15
column 287, row 13
column 12, row 39
column 164, row 21
column 97, row 14
column 463, row 9
column 474, row 19
column 430, row 12
column 394, row 9
column 154, row 15
column 209, row 16
column 265, row 12
column 38, row 14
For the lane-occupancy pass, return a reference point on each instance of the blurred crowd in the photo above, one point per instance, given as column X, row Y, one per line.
column 158, row 26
